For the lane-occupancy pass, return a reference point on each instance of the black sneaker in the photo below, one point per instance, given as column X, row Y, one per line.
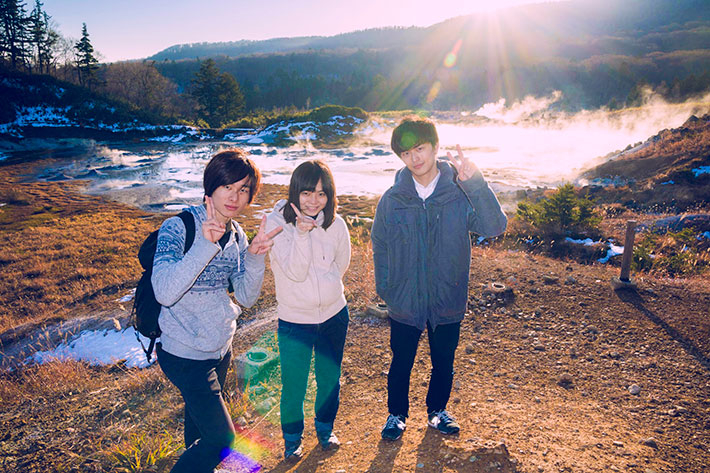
column 443, row 422
column 394, row 427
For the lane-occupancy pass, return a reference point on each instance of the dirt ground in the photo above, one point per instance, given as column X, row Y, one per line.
column 543, row 379
column 558, row 373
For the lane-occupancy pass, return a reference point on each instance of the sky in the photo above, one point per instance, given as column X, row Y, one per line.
column 135, row 29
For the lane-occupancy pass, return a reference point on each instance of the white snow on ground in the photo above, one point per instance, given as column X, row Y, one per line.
column 614, row 250
column 99, row 347
column 701, row 170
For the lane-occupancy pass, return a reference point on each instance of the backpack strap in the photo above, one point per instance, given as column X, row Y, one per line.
column 189, row 221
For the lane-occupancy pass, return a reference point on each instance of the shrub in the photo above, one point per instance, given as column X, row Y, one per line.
column 675, row 253
column 144, row 453
column 562, row 213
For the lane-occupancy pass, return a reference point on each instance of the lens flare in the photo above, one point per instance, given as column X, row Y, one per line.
column 452, row 56
column 433, row 92
column 248, row 447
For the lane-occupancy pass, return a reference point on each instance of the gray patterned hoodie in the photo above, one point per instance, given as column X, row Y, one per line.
column 198, row 318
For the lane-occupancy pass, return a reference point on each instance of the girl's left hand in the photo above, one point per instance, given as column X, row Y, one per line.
column 465, row 167
column 263, row 241
column 304, row 223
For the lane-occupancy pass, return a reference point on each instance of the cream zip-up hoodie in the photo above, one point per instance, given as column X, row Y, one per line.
column 308, row 268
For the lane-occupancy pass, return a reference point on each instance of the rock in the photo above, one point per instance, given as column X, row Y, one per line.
column 650, row 442
column 241, row 421
column 539, row 347
column 513, row 386
column 570, row 280
column 265, row 405
column 550, row 279
column 614, row 355
column 635, row 389
column 616, row 443
column 377, row 310
column 565, row 380
column 592, row 329
column 470, row 348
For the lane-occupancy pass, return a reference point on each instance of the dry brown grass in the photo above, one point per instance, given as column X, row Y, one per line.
column 51, row 380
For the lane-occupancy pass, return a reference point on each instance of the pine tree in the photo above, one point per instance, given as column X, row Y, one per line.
column 231, row 99
column 219, row 98
column 86, row 63
column 43, row 38
column 14, row 33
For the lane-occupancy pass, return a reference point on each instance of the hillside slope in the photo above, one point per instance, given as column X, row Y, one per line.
column 671, row 168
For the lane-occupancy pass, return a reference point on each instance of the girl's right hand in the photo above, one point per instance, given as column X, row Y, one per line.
column 212, row 229
column 304, row 223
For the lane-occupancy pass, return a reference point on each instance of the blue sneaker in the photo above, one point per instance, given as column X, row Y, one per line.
column 293, row 450
column 328, row 440
column 443, row 422
column 394, row 427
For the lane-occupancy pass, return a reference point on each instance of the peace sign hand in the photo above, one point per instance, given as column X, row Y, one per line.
column 304, row 223
column 262, row 242
column 212, row 229
column 465, row 167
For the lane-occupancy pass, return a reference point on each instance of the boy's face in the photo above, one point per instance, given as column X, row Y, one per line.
column 421, row 161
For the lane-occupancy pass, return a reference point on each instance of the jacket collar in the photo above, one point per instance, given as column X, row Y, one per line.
column 404, row 182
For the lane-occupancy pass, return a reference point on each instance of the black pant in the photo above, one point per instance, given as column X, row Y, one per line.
column 209, row 431
column 297, row 343
column 404, row 340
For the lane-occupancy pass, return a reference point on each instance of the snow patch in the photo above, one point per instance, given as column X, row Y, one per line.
column 614, row 250
column 99, row 347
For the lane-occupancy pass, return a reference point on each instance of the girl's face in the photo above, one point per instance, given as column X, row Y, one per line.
column 229, row 200
column 312, row 202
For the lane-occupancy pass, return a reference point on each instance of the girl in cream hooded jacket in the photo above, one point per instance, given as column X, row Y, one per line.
column 308, row 259
column 308, row 268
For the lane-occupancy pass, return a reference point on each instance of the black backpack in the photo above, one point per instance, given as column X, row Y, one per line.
column 145, row 308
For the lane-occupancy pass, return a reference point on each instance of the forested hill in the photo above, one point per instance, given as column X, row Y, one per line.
column 597, row 53
column 573, row 29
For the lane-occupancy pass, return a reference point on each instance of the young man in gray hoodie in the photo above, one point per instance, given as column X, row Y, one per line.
column 422, row 252
column 198, row 317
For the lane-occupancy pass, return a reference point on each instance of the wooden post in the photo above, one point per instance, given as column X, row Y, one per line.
column 628, row 250
column 623, row 281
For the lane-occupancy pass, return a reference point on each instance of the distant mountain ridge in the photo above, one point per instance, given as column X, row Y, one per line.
column 376, row 38
column 581, row 28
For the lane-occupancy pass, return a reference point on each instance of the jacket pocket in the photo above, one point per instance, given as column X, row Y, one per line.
column 402, row 248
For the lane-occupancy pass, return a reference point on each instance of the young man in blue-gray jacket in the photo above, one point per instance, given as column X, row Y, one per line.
column 422, row 253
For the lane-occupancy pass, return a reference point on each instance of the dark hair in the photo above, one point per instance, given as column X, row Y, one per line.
column 413, row 131
column 305, row 178
column 228, row 167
